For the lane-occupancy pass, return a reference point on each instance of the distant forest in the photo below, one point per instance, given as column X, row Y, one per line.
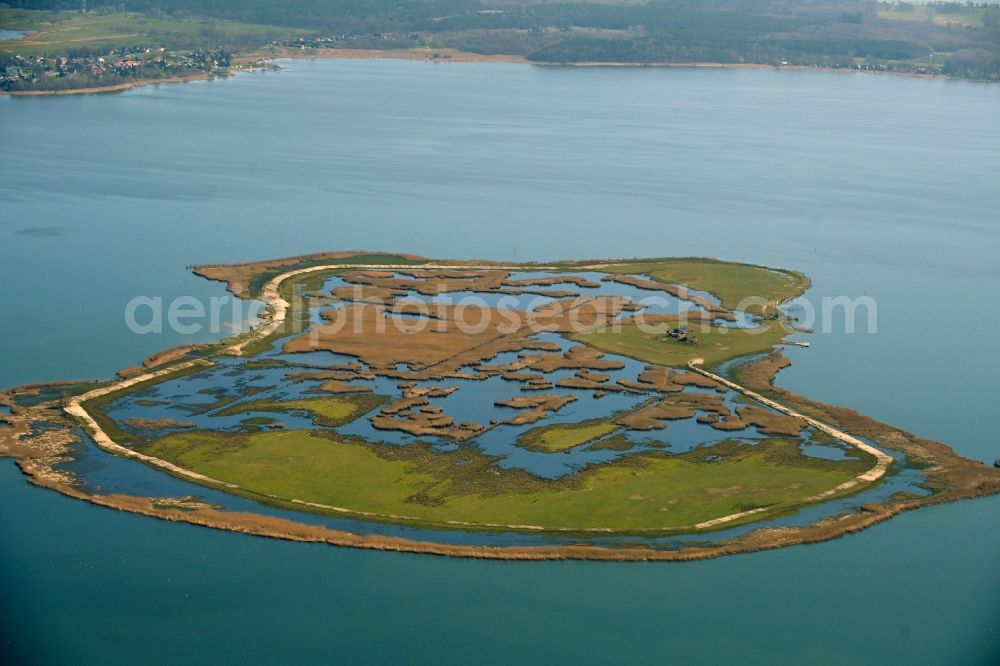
column 961, row 39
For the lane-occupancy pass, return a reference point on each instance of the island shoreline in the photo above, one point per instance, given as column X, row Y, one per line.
column 288, row 530
column 960, row 478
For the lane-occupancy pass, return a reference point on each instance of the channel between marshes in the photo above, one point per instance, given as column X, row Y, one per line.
column 274, row 317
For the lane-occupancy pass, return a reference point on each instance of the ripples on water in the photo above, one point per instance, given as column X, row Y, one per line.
column 869, row 184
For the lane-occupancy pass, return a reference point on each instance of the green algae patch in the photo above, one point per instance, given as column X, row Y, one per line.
column 411, row 483
column 259, row 421
column 565, row 436
column 714, row 344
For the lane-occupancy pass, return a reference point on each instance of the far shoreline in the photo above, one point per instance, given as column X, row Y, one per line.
column 117, row 87
column 446, row 55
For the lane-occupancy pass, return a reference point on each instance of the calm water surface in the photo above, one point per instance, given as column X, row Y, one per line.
column 875, row 186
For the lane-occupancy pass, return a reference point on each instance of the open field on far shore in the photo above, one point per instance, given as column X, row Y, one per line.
column 409, row 483
column 415, row 53
column 922, row 13
column 59, row 33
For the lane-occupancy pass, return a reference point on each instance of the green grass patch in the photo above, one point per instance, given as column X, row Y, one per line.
column 259, row 421
column 965, row 16
column 730, row 282
column 327, row 412
column 65, row 32
column 565, row 436
column 620, row 443
column 267, row 364
column 411, row 483
column 715, row 343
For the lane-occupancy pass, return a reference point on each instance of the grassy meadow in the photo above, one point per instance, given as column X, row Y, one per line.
column 410, row 483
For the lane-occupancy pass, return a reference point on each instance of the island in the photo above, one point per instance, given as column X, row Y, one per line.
column 596, row 409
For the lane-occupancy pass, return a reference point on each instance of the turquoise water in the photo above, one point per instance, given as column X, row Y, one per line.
column 872, row 185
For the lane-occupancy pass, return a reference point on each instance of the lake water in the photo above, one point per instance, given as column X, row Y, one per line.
column 877, row 186
column 10, row 34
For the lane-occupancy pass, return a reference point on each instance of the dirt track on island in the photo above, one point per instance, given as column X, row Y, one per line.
column 876, row 472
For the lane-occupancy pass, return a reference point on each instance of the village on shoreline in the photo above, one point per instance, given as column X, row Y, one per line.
column 103, row 50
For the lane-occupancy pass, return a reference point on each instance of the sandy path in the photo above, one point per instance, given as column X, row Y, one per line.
column 876, row 472
column 277, row 307
column 101, row 438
